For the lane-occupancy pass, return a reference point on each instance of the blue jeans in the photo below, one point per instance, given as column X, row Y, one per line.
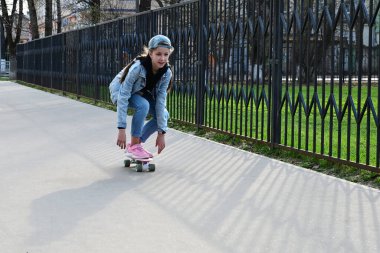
column 143, row 107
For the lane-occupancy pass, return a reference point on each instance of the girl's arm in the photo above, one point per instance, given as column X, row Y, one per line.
column 124, row 95
column 122, row 105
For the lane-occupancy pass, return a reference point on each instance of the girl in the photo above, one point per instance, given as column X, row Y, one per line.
column 144, row 86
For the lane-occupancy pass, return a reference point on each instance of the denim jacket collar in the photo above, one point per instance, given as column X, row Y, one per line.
column 142, row 72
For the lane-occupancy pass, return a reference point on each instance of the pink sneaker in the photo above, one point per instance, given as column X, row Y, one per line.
column 136, row 151
column 150, row 154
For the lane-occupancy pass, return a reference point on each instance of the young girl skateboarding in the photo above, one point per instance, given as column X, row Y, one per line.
column 143, row 86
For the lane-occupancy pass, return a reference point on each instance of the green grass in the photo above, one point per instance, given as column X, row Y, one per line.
column 332, row 138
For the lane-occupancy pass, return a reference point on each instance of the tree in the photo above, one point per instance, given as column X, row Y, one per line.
column 48, row 17
column 145, row 5
column 94, row 9
column 12, row 26
column 33, row 20
column 59, row 16
column 2, row 40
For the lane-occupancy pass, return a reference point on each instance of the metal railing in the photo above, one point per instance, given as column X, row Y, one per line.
column 302, row 75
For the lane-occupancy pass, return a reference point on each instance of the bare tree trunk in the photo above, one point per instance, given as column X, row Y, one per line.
column 9, row 29
column 59, row 16
column 2, row 39
column 48, row 17
column 95, row 11
column 33, row 20
column 145, row 5
column 13, row 45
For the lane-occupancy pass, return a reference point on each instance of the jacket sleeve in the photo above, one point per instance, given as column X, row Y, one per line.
column 161, row 112
column 124, row 95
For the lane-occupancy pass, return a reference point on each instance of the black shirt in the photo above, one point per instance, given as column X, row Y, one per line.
column 151, row 79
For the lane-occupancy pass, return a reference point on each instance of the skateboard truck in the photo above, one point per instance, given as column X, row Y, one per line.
column 141, row 165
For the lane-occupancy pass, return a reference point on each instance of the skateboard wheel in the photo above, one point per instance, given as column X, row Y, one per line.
column 139, row 167
column 127, row 163
column 152, row 167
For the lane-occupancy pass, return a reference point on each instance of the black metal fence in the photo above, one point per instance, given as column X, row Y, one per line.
column 299, row 74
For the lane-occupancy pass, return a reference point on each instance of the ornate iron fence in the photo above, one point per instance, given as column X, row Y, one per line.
column 303, row 75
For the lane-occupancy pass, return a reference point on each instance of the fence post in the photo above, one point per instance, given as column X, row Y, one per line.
column 120, row 46
column 152, row 29
column 95, row 79
column 77, row 64
column 63, row 62
column 36, row 61
column 277, row 75
column 201, row 62
column 51, row 61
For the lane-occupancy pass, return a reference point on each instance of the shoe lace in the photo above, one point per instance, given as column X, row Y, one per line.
column 140, row 148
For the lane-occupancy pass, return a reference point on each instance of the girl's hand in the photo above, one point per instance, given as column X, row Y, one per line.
column 122, row 139
column 160, row 142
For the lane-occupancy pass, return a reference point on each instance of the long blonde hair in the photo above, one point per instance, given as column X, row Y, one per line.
column 143, row 55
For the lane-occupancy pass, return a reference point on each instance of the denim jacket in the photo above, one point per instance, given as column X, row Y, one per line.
column 133, row 83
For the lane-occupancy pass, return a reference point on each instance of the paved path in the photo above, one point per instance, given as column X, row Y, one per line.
column 63, row 189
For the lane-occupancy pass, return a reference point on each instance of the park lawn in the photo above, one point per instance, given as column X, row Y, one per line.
column 243, row 117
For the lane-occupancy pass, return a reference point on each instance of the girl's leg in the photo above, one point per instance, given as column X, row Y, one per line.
column 151, row 126
column 141, row 106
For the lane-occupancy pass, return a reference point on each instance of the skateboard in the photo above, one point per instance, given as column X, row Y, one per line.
column 140, row 165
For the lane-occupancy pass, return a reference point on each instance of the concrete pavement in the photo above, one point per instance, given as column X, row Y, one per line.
column 63, row 188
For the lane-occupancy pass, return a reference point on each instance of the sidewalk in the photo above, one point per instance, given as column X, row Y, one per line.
column 63, row 188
